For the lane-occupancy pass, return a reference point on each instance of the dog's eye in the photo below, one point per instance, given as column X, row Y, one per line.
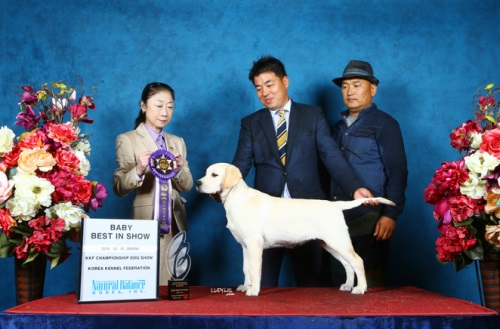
column 214, row 175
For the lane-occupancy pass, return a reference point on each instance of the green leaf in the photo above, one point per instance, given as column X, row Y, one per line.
column 489, row 87
column 490, row 118
column 6, row 246
column 23, row 230
column 466, row 222
column 461, row 262
column 476, row 252
column 55, row 261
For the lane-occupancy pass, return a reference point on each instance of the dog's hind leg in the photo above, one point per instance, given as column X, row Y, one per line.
column 352, row 264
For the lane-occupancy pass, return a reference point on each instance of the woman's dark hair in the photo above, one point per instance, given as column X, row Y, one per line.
column 267, row 64
column 150, row 90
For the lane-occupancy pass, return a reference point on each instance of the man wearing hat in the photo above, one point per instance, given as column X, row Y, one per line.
column 372, row 143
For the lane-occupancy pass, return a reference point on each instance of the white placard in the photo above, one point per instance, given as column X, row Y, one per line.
column 119, row 260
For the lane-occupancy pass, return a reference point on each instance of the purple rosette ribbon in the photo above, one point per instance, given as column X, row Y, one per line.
column 164, row 167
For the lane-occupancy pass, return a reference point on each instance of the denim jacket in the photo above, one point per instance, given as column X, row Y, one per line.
column 374, row 147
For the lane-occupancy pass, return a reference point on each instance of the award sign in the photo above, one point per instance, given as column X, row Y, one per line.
column 178, row 265
column 119, row 260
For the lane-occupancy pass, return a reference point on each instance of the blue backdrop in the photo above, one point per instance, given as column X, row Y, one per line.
column 430, row 56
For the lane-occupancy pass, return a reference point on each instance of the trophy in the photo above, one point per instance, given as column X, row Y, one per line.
column 178, row 266
column 164, row 167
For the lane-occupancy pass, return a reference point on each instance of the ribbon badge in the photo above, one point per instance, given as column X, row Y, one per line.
column 164, row 167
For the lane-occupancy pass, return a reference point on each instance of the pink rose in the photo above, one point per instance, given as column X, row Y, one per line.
column 62, row 133
column 491, row 142
column 67, row 161
column 6, row 186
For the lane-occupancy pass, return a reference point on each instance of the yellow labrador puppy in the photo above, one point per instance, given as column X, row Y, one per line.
column 259, row 221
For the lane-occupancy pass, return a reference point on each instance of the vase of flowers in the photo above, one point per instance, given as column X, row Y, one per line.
column 466, row 194
column 44, row 192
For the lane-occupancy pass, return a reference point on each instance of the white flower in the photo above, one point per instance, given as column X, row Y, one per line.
column 84, row 163
column 59, row 103
column 82, row 145
column 475, row 140
column 6, row 140
column 481, row 163
column 71, row 214
column 473, row 187
column 31, row 193
column 72, row 96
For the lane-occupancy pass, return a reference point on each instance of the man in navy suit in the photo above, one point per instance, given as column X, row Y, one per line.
column 308, row 145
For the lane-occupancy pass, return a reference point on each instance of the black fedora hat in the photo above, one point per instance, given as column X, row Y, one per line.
column 357, row 69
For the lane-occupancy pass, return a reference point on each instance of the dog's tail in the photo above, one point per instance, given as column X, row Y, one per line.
column 344, row 205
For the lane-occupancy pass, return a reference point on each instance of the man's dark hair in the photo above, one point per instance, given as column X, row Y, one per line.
column 267, row 63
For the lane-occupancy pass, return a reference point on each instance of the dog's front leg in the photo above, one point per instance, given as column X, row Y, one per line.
column 244, row 287
column 254, row 250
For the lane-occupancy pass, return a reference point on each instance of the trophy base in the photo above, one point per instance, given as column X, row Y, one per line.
column 178, row 290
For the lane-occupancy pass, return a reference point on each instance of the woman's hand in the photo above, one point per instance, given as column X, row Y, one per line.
column 142, row 163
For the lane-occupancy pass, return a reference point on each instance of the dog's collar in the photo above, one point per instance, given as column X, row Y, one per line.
column 223, row 202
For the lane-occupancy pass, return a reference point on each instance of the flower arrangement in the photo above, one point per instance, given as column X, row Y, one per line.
column 466, row 193
column 43, row 190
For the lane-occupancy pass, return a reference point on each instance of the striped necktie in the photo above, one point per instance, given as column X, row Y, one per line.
column 281, row 135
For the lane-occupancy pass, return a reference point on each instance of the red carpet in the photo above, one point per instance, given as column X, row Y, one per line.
column 206, row 301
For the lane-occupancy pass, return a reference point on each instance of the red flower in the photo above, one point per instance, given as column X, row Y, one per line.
column 485, row 102
column 453, row 243
column 21, row 251
column 62, row 133
column 491, row 142
column 45, row 231
column 34, row 140
column 459, row 137
column 78, row 112
column 10, row 159
column 6, row 221
column 88, row 102
column 463, row 207
column 67, row 161
column 449, row 177
column 69, row 187
column 432, row 194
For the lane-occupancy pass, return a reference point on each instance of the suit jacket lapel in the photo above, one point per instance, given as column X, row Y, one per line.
column 170, row 144
column 266, row 122
column 294, row 123
column 145, row 138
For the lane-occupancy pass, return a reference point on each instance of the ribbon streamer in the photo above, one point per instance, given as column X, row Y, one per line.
column 164, row 167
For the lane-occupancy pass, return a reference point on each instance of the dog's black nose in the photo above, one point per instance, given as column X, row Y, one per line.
column 198, row 183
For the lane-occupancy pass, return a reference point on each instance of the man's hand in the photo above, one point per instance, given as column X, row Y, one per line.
column 385, row 228
column 365, row 193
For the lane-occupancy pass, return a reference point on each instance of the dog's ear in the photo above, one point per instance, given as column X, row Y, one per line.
column 231, row 177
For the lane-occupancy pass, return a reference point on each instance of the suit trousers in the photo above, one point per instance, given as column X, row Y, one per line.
column 306, row 262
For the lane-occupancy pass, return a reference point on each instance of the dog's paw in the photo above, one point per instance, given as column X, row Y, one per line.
column 358, row 290
column 345, row 287
column 252, row 292
column 242, row 288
